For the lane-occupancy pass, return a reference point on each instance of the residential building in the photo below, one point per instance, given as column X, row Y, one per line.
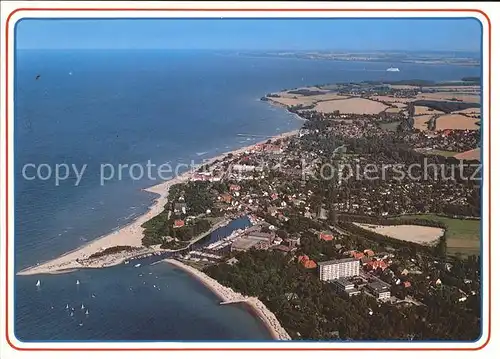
column 179, row 208
column 357, row 255
column 243, row 168
column 293, row 242
column 344, row 286
column 381, row 290
column 226, row 197
column 326, row 236
column 368, row 252
column 272, row 210
column 306, row 262
column 375, row 264
column 310, row 264
column 178, row 223
column 234, row 188
column 338, row 268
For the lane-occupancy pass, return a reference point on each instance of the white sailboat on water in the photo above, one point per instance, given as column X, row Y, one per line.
column 38, row 283
column 67, row 306
column 87, row 312
column 77, row 282
column 82, row 307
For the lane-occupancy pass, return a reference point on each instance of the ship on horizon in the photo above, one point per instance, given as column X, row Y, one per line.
column 393, row 69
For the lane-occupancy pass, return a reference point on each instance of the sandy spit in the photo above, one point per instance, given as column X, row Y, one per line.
column 131, row 234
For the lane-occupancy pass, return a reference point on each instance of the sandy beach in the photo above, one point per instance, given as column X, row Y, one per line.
column 129, row 235
column 227, row 295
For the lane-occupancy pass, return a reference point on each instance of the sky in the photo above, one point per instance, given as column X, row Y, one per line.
column 251, row 34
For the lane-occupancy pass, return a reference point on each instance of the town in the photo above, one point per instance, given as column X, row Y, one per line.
column 336, row 255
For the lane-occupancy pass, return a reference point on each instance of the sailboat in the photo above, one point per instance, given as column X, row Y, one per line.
column 82, row 307
column 87, row 312
column 77, row 282
column 67, row 306
column 38, row 283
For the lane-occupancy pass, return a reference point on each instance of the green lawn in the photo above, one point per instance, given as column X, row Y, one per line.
column 463, row 235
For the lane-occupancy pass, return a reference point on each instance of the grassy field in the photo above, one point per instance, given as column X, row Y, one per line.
column 463, row 235
column 441, row 153
column 390, row 126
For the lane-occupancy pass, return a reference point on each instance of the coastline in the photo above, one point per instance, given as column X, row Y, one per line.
column 130, row 234
column 228, row 296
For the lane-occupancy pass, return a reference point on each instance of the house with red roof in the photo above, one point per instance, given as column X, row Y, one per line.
column 357, row 255
column 310, row 264
column 447, row 132
column 302, row 258
column 326, row 236
column 306, row 262
column 226, row 197
column 369, row 252
column 234, row 187
column 178, row 223
column 376, row 264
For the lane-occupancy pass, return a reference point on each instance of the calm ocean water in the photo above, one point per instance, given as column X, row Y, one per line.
column 126, row 107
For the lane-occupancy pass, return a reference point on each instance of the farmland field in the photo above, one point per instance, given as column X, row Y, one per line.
column 410, row 233
column 463, row 235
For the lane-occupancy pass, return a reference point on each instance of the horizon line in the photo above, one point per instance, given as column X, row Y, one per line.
column 262, row 50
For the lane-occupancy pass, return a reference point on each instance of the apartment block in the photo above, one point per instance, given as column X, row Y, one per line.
column 338, row 268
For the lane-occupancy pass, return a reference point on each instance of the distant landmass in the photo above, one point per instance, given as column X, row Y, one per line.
column 437, row 58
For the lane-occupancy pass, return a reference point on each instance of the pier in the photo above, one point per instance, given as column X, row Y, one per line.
column 234, row 301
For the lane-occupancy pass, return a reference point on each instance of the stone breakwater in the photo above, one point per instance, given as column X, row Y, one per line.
column 227, row 296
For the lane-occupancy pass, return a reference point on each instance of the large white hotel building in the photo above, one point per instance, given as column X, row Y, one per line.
column 338, row 268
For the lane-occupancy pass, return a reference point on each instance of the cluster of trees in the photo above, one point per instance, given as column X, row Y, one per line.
column 310, row 309
column 446, row 106
column 112, row 250
column 306, row 92
column 197, row 197
column 160, row 230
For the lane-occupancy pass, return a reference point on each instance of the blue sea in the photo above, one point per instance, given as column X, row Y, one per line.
column 93, row 107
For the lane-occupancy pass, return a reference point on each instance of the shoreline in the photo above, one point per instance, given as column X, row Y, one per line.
column 228, row 296
column 130, row 234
